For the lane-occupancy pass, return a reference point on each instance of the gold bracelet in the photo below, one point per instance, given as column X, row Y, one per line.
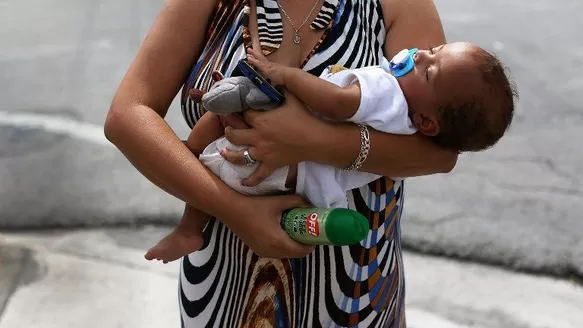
column 364, row 148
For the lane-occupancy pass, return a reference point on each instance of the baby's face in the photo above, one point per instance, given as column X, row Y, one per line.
column 442, row 75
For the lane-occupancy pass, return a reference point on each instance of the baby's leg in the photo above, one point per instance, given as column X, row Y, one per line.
column 208, row 129
column 187, row 237
column 292, row 175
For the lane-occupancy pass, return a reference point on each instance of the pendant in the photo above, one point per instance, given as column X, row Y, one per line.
column 297, row 39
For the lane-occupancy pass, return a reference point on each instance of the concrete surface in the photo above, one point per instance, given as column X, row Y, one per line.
column 86, row 280
column 98, row 278
column 61, row 62
column 517, row 205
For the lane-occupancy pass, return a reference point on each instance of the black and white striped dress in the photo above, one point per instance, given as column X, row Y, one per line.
column 225, row 284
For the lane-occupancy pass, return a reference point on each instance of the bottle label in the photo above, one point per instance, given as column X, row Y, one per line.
column 306, row 225
column 312, row 225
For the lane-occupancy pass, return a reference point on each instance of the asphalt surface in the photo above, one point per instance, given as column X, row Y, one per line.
column 99, row 278
column 63, row 60
column 517, row 205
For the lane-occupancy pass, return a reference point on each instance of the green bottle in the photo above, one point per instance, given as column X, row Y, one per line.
column 325, row 226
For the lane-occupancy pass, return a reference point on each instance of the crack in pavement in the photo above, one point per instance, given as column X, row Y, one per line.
column 568, row 271
column 56, row 124
column 544, row 161
column 541, row 189
column 65, row 251
column 415, row 219
column 28, row 271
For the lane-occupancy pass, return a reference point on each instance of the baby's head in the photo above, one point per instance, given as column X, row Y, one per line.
column 460, row 96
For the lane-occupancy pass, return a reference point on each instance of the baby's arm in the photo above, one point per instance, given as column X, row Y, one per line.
column 320, row 96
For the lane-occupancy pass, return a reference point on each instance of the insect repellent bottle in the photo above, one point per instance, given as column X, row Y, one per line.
column 325, row 226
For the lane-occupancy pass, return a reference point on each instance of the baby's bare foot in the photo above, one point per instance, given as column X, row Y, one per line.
column 174, row 246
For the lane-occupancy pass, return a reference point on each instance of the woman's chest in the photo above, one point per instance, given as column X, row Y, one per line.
column 350, row 33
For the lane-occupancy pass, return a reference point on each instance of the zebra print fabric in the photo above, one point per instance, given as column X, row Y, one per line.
column 225, row 284
column 325, row 15
column 270, row 26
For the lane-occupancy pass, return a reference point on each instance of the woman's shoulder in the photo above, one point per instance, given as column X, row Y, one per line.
column 411, row 23
column 394, row 10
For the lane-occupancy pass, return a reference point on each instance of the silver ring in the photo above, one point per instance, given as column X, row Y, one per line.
column 249, row 161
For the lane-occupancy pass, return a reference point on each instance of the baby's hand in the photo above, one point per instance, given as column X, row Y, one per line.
column 270, row 70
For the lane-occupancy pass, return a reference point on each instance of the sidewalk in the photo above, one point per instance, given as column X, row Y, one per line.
column 98, row 278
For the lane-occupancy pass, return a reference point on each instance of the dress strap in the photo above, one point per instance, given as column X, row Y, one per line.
column 325, row 15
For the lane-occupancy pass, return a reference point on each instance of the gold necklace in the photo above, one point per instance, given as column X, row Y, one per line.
column 297, row 39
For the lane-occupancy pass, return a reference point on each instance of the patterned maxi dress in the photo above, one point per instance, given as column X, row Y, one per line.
column 225, row 284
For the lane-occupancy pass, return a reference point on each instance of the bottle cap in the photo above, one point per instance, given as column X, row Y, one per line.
column 345, row 226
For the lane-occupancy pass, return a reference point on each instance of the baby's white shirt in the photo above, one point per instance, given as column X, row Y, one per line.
column 382, row 107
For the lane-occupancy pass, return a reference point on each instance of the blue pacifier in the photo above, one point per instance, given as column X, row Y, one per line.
column 401, row 64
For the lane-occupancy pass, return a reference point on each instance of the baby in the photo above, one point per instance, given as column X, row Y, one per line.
column 456, row 94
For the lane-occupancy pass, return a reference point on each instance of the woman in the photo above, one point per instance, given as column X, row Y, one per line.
column 227, row 284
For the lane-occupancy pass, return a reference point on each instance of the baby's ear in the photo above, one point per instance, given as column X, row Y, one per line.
column 426, row 124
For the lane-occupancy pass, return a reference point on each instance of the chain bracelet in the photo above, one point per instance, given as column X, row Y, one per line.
column 364, row 148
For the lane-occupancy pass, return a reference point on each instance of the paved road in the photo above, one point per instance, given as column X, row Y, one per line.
column 518, row 204
column 45, row 277
column 521, row 203
column 63, row 61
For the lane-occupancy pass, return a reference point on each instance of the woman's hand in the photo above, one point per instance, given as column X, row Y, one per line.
column 283, row 136
column 257, row 223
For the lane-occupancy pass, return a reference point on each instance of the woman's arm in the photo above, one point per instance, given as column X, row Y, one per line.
column 135, row 121
column 136, row 126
